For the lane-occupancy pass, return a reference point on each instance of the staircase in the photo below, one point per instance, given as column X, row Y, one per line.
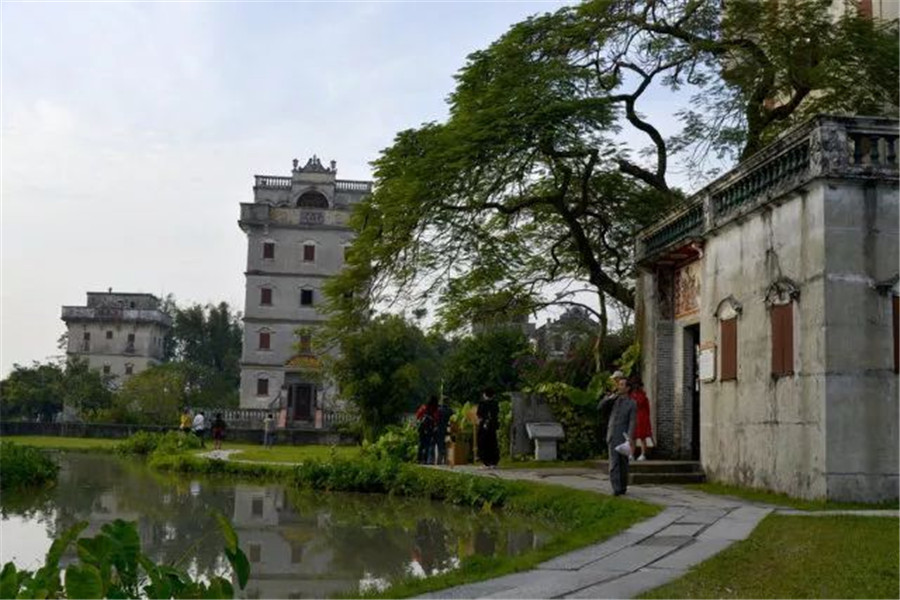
column 661, row 471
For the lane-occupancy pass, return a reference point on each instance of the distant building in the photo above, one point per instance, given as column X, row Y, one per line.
column 557, row 338
column 297, row 235
column 119, row 334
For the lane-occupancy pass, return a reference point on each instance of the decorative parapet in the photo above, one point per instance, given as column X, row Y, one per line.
column 824, row 147
column 266, row 214
column 343, row 185
column 110, row 313
column 271, row 182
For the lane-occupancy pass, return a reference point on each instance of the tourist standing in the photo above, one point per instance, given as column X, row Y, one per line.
column 199, row 427
column 268, row 430
column 620, row 429
column 488, row 423
column 440, row 434
column 426, row 417
column 218, row 431
column 185, row 423
column 643, row 432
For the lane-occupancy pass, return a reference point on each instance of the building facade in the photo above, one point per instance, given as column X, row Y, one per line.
column 768, row 316
column 120, row 334
column 297, row 234
column 561, row 336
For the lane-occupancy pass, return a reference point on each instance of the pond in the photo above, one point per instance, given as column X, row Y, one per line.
column 300, row 544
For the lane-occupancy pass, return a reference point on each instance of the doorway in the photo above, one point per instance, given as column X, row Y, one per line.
column 691, row 387
column 301, row 399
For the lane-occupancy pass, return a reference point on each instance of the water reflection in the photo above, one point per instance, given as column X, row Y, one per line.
column 300, row 544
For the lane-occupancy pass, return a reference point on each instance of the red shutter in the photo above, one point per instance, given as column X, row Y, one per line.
column 265, row 296
column 896, row 309
column 783, row 339
column 264, row 341
column 729, row 349
column 262, row 387
column 309, row 252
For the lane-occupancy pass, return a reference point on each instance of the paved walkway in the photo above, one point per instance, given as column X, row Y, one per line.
column 692, row 527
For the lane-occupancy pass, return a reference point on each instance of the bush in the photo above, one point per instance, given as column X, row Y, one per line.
column 146, row 442
column 398, row 443
column 23, row 466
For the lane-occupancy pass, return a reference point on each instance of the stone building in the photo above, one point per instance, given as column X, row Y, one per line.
column 297, row 235
column 768, row 314
column 119, row 333
column 560, row 336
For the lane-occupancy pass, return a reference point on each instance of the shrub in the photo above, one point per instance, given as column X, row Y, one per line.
column 397, row 443
column 146, row 442
column 23, row 466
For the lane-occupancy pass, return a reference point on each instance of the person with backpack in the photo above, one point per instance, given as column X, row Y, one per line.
column 426, row 417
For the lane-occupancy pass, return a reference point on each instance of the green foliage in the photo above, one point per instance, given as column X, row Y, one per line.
column 584, row 437
column 144, row 443
column 111, row 565
column 397, row 443
column 487, row 359
column 385, row 368
column 23, row 466
column 41, row 391
column 505, row 427
column 152, row 397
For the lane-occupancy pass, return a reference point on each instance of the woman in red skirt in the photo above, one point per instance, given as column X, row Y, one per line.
column 643, row 433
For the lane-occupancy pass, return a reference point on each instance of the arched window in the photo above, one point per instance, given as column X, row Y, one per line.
column 781, row 298
column 312, row 200
column 727, row 313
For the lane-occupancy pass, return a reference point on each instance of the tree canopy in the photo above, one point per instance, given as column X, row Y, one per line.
column 528, row 190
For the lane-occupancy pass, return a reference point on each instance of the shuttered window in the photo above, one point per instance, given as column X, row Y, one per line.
column 896, row 309
column 782, row 317
column 729, row 349
column 264, row 340
column 265, row 296
column 269, row 250
column 309, row 253
column 262, row 387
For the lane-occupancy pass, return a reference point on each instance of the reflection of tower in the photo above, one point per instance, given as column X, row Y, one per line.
column 284, row 548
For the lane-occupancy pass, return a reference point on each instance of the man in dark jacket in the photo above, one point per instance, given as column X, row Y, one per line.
column 620, row 429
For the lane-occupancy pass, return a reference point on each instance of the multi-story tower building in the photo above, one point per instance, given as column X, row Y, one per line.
column 119, row 333
column 297, row 234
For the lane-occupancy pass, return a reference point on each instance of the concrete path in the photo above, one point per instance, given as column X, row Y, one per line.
column 692, row 528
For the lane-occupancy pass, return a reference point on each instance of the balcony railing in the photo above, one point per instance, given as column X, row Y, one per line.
column 272, row 182
column 342, row 185
column 823, row 147
column 108, row 313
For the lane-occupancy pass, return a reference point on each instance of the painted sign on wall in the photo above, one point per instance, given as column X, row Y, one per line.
column 687, row 289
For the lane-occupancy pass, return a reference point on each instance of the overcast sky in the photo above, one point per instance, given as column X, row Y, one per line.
column 131, row 132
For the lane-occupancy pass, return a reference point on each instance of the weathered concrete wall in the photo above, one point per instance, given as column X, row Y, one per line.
column 861, row 224
column 147, row 348
column 758, row 430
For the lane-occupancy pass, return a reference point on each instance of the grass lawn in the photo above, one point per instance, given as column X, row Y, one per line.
column 62, row 443
column 756, row 495
column 285, row 454
column 800, row 557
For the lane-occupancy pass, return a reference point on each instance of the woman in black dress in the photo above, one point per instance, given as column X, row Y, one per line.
column 488, row 422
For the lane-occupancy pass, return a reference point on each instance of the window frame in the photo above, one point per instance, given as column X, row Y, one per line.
column 309, row 252
column 262, row 386
column 781, row 318
column 268, row 250
column 728, row 339
column 264, row 335
column 263, row 293
column 307, row 291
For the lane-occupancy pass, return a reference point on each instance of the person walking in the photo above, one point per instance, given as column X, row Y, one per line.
column 184, row 423
column 643, row 432
column 218, row 431
column 488, row 422
column 620, row 429
column 199, row 427
column 268, row 430
column 426, row 416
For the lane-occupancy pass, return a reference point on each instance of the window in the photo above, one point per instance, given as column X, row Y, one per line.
column 269, row 250
column 306, row 297
column 265, row 296
column 264, row 339
column 262, row 386
column 129, row 369
column 131, row 305
column 309, row 252
column 86, row 341
column 255, row 553
column 109, row 335
column 728, row 349
column 305, row 343
column 106, row 369
column 256, row 507
column 782, row 316
column 895, row 303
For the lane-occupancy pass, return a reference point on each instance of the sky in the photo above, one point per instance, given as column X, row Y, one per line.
column 130, row 132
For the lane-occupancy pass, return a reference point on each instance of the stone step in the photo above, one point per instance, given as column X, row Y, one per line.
column 658, row 466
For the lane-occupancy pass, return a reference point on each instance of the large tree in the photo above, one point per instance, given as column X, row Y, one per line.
column 41, row 390
column 528, row 188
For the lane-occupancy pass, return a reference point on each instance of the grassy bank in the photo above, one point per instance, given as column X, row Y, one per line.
column 288, row 454
column 22, row 467
column 63, row 443
column 757, row 495
column 800, row 557
column 580, row 517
